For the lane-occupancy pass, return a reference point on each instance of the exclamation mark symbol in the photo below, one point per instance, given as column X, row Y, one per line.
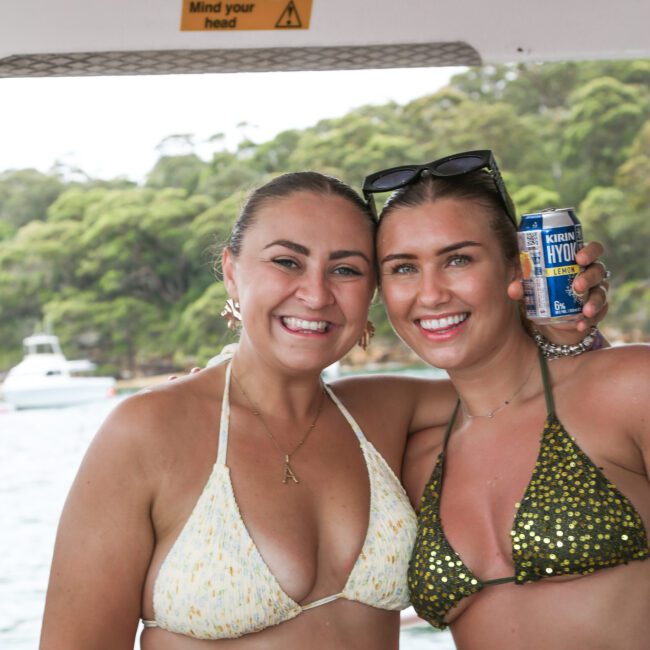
column 289, row 18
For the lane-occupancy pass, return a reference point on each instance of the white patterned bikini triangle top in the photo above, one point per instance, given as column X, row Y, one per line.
column 214, row 584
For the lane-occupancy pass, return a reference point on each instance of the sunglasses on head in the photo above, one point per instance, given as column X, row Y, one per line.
column 457, row 164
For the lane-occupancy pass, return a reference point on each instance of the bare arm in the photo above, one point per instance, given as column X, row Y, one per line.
column 104, row 543
column 609, row 400
column 633, row 390
column 415, row 403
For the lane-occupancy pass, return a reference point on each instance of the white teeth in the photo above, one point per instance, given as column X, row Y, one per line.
column 308, row 325
column 442, row 323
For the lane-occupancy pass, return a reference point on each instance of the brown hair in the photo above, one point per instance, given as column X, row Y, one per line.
column 285, row 185
column 477, row 186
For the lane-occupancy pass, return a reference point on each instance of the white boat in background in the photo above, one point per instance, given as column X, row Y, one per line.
column 46, row 379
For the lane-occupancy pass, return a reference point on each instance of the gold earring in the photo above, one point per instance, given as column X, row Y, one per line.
column 231, row 314
column 367, row 334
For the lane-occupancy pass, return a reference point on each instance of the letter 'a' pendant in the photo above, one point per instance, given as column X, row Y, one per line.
column 288, row 472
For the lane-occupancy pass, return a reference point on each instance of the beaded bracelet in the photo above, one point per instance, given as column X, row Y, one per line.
column 556, row 351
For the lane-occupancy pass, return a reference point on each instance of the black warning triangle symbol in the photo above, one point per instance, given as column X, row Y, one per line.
column 289, row 18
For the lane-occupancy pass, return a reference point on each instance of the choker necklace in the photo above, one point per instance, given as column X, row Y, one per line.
column 288, row 473
column 491, row 414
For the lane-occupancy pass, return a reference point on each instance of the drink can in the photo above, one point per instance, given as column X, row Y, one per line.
column 548, row 241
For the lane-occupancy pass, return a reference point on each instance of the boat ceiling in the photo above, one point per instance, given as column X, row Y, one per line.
column 122, row 37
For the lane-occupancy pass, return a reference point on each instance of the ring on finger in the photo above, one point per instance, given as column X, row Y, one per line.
column 605, row 288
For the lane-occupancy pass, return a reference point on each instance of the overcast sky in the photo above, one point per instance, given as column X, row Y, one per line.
column 111, row 126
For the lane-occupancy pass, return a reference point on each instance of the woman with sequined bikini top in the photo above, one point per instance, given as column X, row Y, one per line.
column 534, row 500
column 250, row 506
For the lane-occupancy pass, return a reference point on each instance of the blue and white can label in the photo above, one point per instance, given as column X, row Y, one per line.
column 548, row 241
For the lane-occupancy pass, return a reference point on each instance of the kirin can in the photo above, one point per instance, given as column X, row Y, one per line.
column 548, row 241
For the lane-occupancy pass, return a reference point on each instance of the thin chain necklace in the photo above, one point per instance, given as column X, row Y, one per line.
column 288, row 472
column 491, row 414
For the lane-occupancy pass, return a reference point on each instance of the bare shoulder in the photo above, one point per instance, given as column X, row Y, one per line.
column 610, row 386
column 141, row 433
column 422, row 402
column 622, row 393
column 626, row 370
column 157, row 415
column 143, row 440
column 617, row 370
column 631, row 357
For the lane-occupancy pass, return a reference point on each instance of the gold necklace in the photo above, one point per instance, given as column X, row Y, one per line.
column 491, row 414
column 288, row 473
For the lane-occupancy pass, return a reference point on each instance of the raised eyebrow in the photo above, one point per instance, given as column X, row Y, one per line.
column 339, row 255
column 292, row 245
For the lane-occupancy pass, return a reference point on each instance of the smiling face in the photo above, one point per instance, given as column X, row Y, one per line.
column 304, row 278
column 443, row 279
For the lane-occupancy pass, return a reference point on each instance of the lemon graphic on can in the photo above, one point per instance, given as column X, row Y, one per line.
column 526, row 264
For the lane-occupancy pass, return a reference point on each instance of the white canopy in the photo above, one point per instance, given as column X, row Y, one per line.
column 94, row 37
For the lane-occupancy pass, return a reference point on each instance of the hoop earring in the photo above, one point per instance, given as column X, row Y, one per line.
column 367, row 334
column 231, row 314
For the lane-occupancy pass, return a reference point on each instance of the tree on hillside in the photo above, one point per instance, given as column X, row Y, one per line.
column 25, row 195
column 183, row 172
column 125, row 271
column 605, row 118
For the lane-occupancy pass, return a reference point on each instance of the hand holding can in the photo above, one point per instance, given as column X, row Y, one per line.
column 548, row 241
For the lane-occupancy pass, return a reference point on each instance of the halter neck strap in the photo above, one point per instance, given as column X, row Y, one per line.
column 225, row 418
column 450, row 425
column 346, row 414
column 548, row 396
column 546, row 379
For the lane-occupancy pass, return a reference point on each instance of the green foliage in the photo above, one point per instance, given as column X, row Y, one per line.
column 616, row 218
column 225, row 181
column 633, row 176
column 201, row 327
column 124, row 331
column 73, row 203
column 124, row 273
column 631, row 310
column 24, row 196
column 183, row 172
column 606, row 115
column 533, row 197
column 271, row 157
column 485, row 84
column 210, row 230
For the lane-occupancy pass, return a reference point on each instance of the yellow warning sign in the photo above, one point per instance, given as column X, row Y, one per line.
column 290, row 17
column 232, row 16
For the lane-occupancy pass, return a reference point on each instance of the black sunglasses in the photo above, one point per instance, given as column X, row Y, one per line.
column 455, row 165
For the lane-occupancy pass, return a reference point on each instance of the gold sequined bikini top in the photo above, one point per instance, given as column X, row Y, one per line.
column 571, row 520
